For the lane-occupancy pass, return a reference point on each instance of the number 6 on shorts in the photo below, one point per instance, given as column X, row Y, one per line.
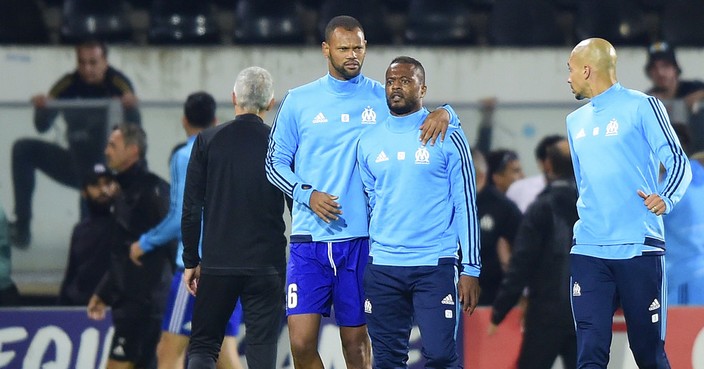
column 292, row 296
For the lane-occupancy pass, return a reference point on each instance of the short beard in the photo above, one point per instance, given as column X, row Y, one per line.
column 344, row 72
column 97, row 208
column 400, row 110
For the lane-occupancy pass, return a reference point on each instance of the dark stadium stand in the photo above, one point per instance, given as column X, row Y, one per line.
column 524, row 23
column 413, row 22
column 621, row 22
column 182, row 22
column 682, row 22
column 371, row 13
column 22, row 22
column 107, row 20
column 269, row 22
column 439, row 23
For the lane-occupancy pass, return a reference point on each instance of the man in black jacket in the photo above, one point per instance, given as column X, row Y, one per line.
column 137, row 294
column 86, row 131
column 499, row 218
column 243, row 242
column 540, row 261
column 89, row 252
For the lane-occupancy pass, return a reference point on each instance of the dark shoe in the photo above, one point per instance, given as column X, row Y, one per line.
column 19, row 235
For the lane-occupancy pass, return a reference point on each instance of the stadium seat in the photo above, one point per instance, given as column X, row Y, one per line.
column 100, row 19
column 267, row 22
column 653, row 5
column 565, row 4
column 182, row 22
column 481, row 5
column 524, row 23
column 622, row 22
column 140, row 4
column 432, row 22
column 21, row 22
column 683, row 22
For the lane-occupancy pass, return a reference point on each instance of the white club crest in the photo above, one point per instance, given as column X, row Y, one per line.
column 612, row 128
column 368, row 116
column 422, row 155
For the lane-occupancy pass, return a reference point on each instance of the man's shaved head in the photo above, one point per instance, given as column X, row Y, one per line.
column 592, row 65
column 597, row 52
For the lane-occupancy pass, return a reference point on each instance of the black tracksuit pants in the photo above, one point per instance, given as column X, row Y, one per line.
column 262, row 298
column 66, row 166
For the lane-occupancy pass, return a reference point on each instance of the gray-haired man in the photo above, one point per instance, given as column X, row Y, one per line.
column 243, row 243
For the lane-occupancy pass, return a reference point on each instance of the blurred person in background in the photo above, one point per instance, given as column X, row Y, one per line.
column 683, row 99
column 684, row 227
column 523, row 191
column 487, row 107
column 664, row 72
column 540, row 261
column 136, row 293
column 9, row 295
column 89, row 251
column 86, row 132
column 504, row 169
column 499, row 219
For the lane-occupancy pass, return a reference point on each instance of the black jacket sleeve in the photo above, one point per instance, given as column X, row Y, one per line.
column 106, row 288
column 70, row 273
column 44, row 118
column 527, row 251
column 193, row 201
column 511, row 223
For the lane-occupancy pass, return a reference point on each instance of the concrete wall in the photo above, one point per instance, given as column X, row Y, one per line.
column 454, row 74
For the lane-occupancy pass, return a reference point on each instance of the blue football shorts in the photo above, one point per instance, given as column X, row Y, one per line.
column 325, row 275
column 179, row 311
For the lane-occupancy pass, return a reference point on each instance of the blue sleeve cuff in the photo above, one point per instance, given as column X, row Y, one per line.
column 454, row 118
column 145, row 244
column 470, row 270
column 668, row 204
column 302, row 192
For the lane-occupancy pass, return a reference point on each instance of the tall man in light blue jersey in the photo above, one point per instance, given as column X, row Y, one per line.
column 198, row 114
column 423, row 227
column 618, row 141
column 316, row 131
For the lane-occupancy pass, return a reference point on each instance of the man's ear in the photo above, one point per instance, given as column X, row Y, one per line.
column 234, row 99
column 548, row 167
column 271, row 104
column 134, row 150
column 480, row 179
column 325, row 48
